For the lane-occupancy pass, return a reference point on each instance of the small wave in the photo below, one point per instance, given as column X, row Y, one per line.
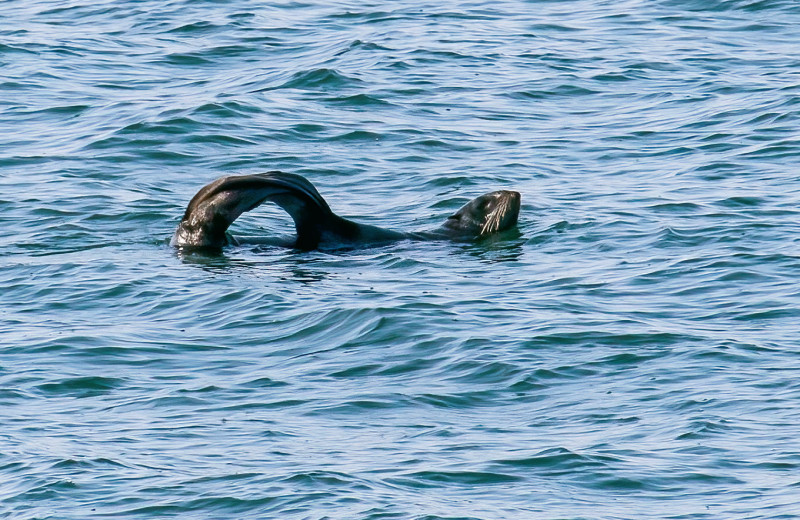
column 678, row 208
column 778, row 150
column 196, row 28
column 356, row 135
column 359, row 101
column 192, row 59
column 221, row 139
column 227, row 110
column 741, row 202
column 423, row 479
column 14, row 49
column 367, row 16
column 358, row 45
column 565, row 90
column 662, row 339
column 88, row 464
column 317, row 79
column 560, row 460
column 722, row 6
column 81, row 386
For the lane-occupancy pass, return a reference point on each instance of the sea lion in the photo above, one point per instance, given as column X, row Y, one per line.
column 214, row 208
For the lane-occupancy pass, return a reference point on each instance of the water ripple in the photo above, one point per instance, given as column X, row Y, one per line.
column 629, row 351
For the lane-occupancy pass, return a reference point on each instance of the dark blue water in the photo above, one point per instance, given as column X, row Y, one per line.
column 631, row 351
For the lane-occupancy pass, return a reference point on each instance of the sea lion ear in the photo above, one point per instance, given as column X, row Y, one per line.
column 454, row 216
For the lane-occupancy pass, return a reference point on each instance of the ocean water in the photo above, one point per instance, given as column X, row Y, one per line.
column 630, row 351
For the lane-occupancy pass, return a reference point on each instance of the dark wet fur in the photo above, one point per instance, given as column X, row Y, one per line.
column 214, row 208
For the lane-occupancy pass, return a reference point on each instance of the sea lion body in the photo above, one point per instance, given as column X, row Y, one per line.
column 214, row 208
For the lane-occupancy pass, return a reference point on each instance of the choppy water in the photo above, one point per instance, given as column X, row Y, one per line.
column 632, row 351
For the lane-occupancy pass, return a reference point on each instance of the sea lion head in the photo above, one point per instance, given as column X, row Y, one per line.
column 490, row 213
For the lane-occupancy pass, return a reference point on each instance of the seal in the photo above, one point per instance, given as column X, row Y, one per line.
column 214, row 208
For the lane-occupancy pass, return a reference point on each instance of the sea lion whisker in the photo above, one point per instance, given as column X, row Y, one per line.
column 492, row 223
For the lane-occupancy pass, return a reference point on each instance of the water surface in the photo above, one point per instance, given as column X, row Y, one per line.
column 629, row 352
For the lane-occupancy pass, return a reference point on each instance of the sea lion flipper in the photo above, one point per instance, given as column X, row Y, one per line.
column 218, row 204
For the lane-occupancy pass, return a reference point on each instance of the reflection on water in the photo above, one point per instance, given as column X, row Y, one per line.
column 501, row 247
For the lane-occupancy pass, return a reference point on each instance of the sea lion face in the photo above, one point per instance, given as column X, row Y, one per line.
column 490, row 213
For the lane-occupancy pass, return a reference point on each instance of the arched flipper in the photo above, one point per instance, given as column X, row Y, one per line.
column 214, row 208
